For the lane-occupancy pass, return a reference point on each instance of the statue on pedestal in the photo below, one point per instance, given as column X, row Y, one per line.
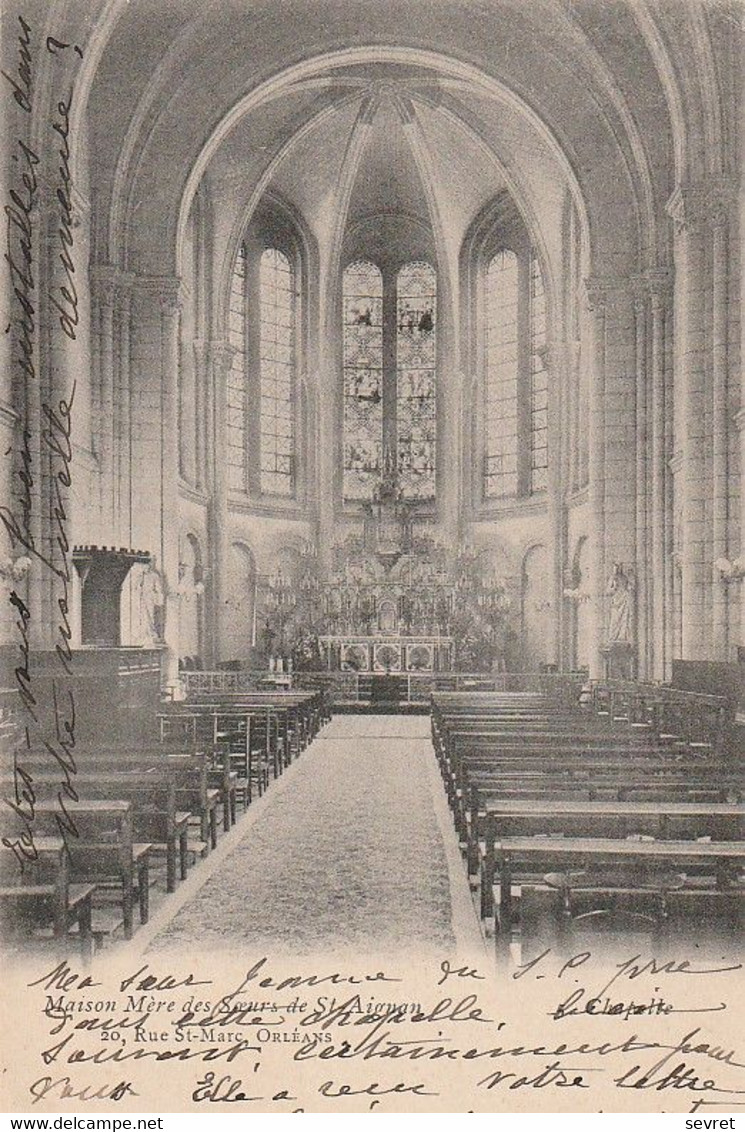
column 620, row 588
column 152, row 604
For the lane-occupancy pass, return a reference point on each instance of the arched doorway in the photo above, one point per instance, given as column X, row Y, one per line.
column 537, row 618
column 239, row 625
column 191, row 603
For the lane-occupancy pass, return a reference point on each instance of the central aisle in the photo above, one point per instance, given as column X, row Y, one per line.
column 346, row 852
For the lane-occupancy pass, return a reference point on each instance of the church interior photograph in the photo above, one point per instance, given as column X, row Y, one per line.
column 372, row 562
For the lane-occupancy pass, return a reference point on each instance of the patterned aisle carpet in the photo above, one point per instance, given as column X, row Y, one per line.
column 346, row 855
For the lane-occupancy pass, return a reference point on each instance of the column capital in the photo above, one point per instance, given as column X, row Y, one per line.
column 655, row 285
column 405, row 111
column 104, row 277
column 125, row 280
column 49, row 211
column 8, row 415
column 546, row 353
column 125, row 285
column 201, row 348
column 596, row 294
column 109, row 283
column 722, row 197
column 164, row 289
column 693, row 207
column 600, row 290
column 366, row 115
column 80, row 202
column 222, row 354
column 686, row 207
column 676, row 462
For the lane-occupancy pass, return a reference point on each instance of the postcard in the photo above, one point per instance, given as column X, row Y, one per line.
column 371, row 609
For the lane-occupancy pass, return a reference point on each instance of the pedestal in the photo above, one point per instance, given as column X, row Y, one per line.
column 619, row 661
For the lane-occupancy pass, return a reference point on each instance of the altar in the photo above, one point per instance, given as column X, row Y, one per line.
column 353, row 653
column 394, row 601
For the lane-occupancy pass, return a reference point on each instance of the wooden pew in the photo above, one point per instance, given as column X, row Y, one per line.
column 666, row 820
column 517, row 857
column 597, row 779
column 568, row 776
column 189, row 773
column 103, row 848
column 298, row 714
column 248, row 738
column 693, row 718
column 155, row 818
column 37, row 894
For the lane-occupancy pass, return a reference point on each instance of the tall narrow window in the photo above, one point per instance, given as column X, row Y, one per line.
column 277, row 372
column 236, row 391
column 500, row 465
column 416, row 294
column 538, row 380
column 363, row 379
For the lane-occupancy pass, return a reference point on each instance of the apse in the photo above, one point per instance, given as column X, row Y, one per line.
column 386, row 377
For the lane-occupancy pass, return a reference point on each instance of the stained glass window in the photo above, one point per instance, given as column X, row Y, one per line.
column 500, row 465
column 363, row 379
column 236, row 392
column 416, row 302
column 538, row 380
column 277, row 371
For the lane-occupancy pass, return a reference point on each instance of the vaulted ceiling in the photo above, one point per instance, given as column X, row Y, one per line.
column 344, row 109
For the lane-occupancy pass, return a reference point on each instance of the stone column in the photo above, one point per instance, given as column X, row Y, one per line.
column 739, row 422
column 656, row 512
column 720, row 428
column 154, row 356
column 557, row 441
column 65, row 382
column 105, row 290
column 220, row 360
column 642, row 554
column 203, row 411
column 688, row 209
column 574, row 363
column 451, row 500
column 124, row 414
column 170, row 310
column 596, row 300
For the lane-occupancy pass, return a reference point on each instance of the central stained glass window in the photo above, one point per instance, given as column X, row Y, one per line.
column 363, row 379
column 390, row 367
column 416, row 298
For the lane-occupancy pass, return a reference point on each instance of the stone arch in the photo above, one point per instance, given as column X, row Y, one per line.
column 240, row 630
column 502, row 212
column 306, row 250
column 684, row 96
column 449, row 66
column 191, row 600
column 537, row 621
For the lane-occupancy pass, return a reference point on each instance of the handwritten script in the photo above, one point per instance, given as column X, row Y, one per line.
column 575, row 1033
column 36, row 517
